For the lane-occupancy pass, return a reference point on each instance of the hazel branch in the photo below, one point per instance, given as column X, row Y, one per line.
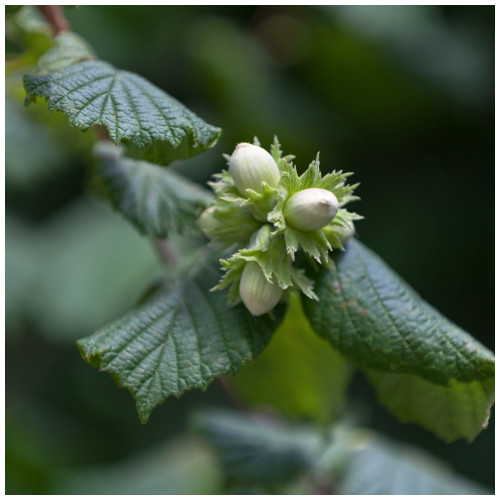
column 54, row 16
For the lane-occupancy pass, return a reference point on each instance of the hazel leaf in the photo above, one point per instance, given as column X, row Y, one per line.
column 258, row 451
column 182, row 338
column 157, row 201
column 374, row 318
column 460, row 410
column 150, row 123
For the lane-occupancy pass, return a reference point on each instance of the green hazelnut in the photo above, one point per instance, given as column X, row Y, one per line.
column 258, row 295
column 208, row 222
column 251, row 165
column 310, row 209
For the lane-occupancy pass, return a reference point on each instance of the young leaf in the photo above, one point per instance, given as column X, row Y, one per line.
column 182, row 338
column 374, row 318
column 157, row 201
column 297, row 373
column 461, row 410
column 153, row 125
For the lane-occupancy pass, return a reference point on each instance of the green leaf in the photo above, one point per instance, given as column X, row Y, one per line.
column 297, row 373
column 381, row 467
column 255, row 450
column 182, row 338
column 374, row 318
column 461, row 410
column 157, row 201
column 153, row 125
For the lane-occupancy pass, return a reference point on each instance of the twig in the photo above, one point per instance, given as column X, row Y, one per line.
column 324, row 486
column 166, row 253
column 226, row 389
column 54, row 16
column 101, row 133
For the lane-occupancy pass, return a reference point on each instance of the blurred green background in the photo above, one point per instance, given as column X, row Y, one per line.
column 402, row 96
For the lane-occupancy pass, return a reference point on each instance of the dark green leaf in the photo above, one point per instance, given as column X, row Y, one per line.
column 461, row 410
column 381, row 467
column 297, row 373
column 153, row 125
column 373, row 317
column 254, row 450
column 157, row 201
column 180, row 339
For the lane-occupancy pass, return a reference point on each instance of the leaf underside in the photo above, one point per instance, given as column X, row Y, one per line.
column 182, row 338
column 382, row 467
column 157, row 201
column 253, row 451
column 374, row 318
column 259, row 454
column 153, row 125
column 461, row 410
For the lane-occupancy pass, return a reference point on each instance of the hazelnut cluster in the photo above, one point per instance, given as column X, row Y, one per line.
column 264, row 213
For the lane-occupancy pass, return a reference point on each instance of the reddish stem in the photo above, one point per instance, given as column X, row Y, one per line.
column 166, row 253
column 226, row 388
column 101, row 133
column 54, row 16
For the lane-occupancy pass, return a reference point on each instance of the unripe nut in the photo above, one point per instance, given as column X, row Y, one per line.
column 310, row 209
column 258, row 295
column 208, row 223
column 344, row 232
column 250, row 165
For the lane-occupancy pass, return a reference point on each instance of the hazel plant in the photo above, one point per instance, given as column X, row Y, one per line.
column 265, row 213
column 269, row 224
